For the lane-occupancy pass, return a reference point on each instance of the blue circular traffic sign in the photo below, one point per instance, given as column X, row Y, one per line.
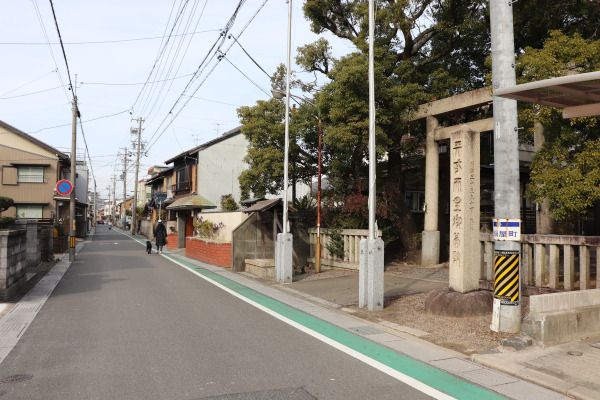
column 64, row 187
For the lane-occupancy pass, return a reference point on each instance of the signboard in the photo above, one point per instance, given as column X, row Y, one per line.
column 507, row 229
column 64, row 187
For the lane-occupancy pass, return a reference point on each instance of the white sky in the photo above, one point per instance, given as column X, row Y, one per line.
column 28, row 67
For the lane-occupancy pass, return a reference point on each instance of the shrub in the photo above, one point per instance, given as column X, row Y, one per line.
column 205, row 228
column 6, row 222
column 6, row 203
column 335, row 245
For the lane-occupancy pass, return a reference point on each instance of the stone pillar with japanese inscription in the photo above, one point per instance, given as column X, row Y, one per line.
column 464, row 210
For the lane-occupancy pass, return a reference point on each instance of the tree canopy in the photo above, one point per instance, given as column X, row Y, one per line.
column 424, row 50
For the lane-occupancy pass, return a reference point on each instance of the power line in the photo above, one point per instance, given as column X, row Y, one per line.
column 89, row 120
column 246, row 76
column 41, row 21
column 29, row 94
column 135, row 84
column 200, row 67
column 105, row 41
column 249, row 56
column 62, row 47
column 36, row 79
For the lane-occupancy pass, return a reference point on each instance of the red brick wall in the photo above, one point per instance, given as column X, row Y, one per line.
column 172, row 242
column 215, row 253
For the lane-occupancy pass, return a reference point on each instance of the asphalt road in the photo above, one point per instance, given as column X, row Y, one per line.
column 123, row 324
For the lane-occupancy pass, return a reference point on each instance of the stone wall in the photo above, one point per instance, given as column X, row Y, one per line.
column 13, row 259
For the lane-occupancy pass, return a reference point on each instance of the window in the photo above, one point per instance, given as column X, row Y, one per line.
column 31, row 174
column 29, row 211
column 415, row 201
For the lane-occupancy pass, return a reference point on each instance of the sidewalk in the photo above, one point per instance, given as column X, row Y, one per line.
column 551, row 367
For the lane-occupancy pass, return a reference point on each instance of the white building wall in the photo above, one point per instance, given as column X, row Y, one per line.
column 219, row 167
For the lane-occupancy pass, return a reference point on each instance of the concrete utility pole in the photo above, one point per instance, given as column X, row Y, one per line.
column 507, row 283
column 72, row 199
column 124, row 177
column 370, row 282
column 95, row 217
column 137, row 171
column 114, row 208
column 284, row 268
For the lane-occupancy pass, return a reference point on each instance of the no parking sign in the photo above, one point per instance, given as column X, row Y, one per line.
column 64, row 187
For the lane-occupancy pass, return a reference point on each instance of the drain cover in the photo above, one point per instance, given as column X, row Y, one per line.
column 17, row 378
column 575, row 353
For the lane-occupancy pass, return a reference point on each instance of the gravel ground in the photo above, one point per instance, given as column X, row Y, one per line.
column 467, row 335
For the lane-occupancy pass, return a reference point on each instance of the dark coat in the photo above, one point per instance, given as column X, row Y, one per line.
column 160, row 234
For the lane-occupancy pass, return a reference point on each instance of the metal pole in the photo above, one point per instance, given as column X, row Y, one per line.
column 94, row 217
column 137, row 171
column 287, row 121
column 318, row 246
column 372, row 155
column 124, row 205
column 72, row 199
column 284, row 250
column 370, row 276
column 114, row 211
column 507, row 313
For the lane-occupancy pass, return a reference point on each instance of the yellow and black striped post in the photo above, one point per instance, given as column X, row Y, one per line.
column 506, row 277
column 72, row 241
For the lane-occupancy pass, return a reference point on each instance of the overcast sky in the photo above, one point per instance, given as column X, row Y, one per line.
column 112, row 46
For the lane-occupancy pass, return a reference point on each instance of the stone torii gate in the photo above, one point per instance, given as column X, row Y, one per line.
column 464, row 186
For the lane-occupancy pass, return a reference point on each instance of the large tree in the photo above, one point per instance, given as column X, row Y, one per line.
column 567, row 169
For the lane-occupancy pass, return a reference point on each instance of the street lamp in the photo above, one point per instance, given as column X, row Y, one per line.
column 278, row 94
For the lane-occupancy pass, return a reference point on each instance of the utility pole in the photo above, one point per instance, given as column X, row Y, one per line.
column 137, row 171
column 124, row 177
column 72, row 199
column 114, row 208
column 506, row 316
column 94, row 217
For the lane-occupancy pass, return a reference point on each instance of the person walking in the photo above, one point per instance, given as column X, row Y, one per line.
column 160, row 234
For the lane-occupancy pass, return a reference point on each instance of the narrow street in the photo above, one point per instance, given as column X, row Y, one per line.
column 123, row 324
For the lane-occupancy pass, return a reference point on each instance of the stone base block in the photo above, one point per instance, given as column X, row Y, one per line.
column 263, row 268
column 454, row 304
column 550, row 328
column 430, row 249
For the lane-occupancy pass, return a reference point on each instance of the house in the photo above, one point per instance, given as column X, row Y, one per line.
column 29, row 172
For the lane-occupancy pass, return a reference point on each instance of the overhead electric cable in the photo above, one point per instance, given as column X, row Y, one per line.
column 249, row 56
column 103, row 41
column 246, row 76
column 22, row 86
column 158, row 56
column 41, row 21
column 89, row 120
column 224, row 33
column 135, row 84
column 62, row 46
column 182, row 58
column 29, row 94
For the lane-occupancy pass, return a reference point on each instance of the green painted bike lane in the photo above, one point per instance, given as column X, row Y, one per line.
column 417, row 370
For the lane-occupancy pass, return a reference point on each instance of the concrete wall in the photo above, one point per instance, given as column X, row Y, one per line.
column 13, row 256
column 33, row 242
column 561, row 317
column 230, row 219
